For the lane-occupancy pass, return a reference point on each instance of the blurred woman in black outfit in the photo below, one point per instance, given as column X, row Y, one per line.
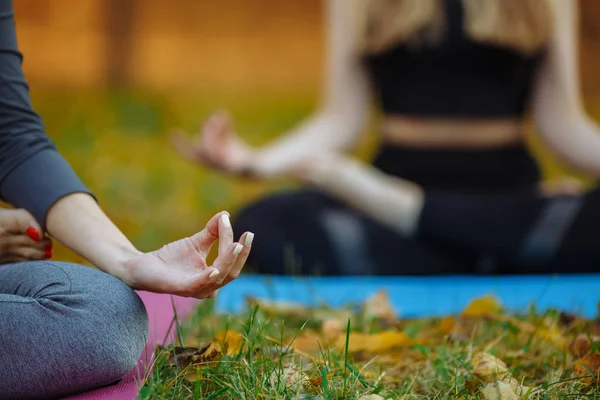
column 453, row 188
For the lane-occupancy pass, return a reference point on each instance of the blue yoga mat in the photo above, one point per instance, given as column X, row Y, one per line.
column 421, row 296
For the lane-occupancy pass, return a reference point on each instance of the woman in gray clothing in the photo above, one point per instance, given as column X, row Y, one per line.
column 66, row 328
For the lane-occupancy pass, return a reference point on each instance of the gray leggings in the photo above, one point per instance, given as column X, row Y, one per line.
column 65, row 328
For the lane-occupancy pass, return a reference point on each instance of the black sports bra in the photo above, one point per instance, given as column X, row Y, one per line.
column 456, row 78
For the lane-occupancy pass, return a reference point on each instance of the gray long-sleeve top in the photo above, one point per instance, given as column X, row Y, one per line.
column 33, row 175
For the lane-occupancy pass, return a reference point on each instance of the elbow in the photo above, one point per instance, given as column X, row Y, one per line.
column 573, row 140
column 556, row 127
column 345, row 127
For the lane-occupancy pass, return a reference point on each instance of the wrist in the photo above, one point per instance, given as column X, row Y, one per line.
column 253, row 168
column 116, row 261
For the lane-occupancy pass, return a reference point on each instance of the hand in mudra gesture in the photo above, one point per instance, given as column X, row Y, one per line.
column 180, row 267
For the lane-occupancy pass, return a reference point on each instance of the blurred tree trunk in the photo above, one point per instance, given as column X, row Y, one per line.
column 119, row 18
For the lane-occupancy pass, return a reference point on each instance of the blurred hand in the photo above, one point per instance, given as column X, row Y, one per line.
column 21, row 238
column 216, row 145
column 180, row 267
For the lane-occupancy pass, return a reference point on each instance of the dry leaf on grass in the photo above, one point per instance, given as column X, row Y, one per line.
column 483, row 307
column 332, row 329
column 488, row 367
column 587, row 366
column 182, row 357
column 447, row 325
column 498, row 391
column 308, row 341
column 371, row 397
column 290, row 376
column 227, row 342
column 318, row 381
column 454, row 328
column 397, row 354
column 581, row 345
column 378, row 307
column 374, row 343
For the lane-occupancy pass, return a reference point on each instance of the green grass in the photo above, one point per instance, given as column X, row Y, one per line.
column 440, row 368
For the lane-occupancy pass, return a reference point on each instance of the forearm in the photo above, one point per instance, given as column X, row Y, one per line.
column 79, row 223
column 324, row 132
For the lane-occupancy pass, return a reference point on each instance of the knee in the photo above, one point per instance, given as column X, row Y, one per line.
column 91, row 324
column 110, row 321
column 118, row 326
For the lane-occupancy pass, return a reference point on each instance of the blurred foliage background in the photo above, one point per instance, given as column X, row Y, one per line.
column 112, row 77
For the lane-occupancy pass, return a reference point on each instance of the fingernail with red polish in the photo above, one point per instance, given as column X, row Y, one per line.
column 32, row 233
column 48, row 247
column 48, row 254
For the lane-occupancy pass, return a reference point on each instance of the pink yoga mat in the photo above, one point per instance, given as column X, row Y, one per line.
column 161, row 313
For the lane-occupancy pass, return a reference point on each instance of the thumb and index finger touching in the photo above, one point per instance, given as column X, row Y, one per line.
column 219, row 228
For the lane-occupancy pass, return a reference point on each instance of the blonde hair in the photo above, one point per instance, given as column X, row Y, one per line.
column 523, row 25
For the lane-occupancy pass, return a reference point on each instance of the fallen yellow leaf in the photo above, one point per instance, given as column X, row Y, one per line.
column 483, row 306
column 446, row 325
column 374, row 343
column 308, row 341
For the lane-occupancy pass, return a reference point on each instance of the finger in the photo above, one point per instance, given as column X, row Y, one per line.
column 205, row 282
column 29, row 253
column 9, row 259
column 207, row 294
column 218, row 122
column 217, row 133
column 246, row 240
column 22, row 240
column 204, row 240
column 222, row 124
column 225, row 233
column 184, row 146
column 23, row 246
column 210, row 138
column 223, row 132
column 21, row 222
column 225, row 262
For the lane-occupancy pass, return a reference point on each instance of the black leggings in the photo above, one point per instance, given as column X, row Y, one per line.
column 482, row 215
